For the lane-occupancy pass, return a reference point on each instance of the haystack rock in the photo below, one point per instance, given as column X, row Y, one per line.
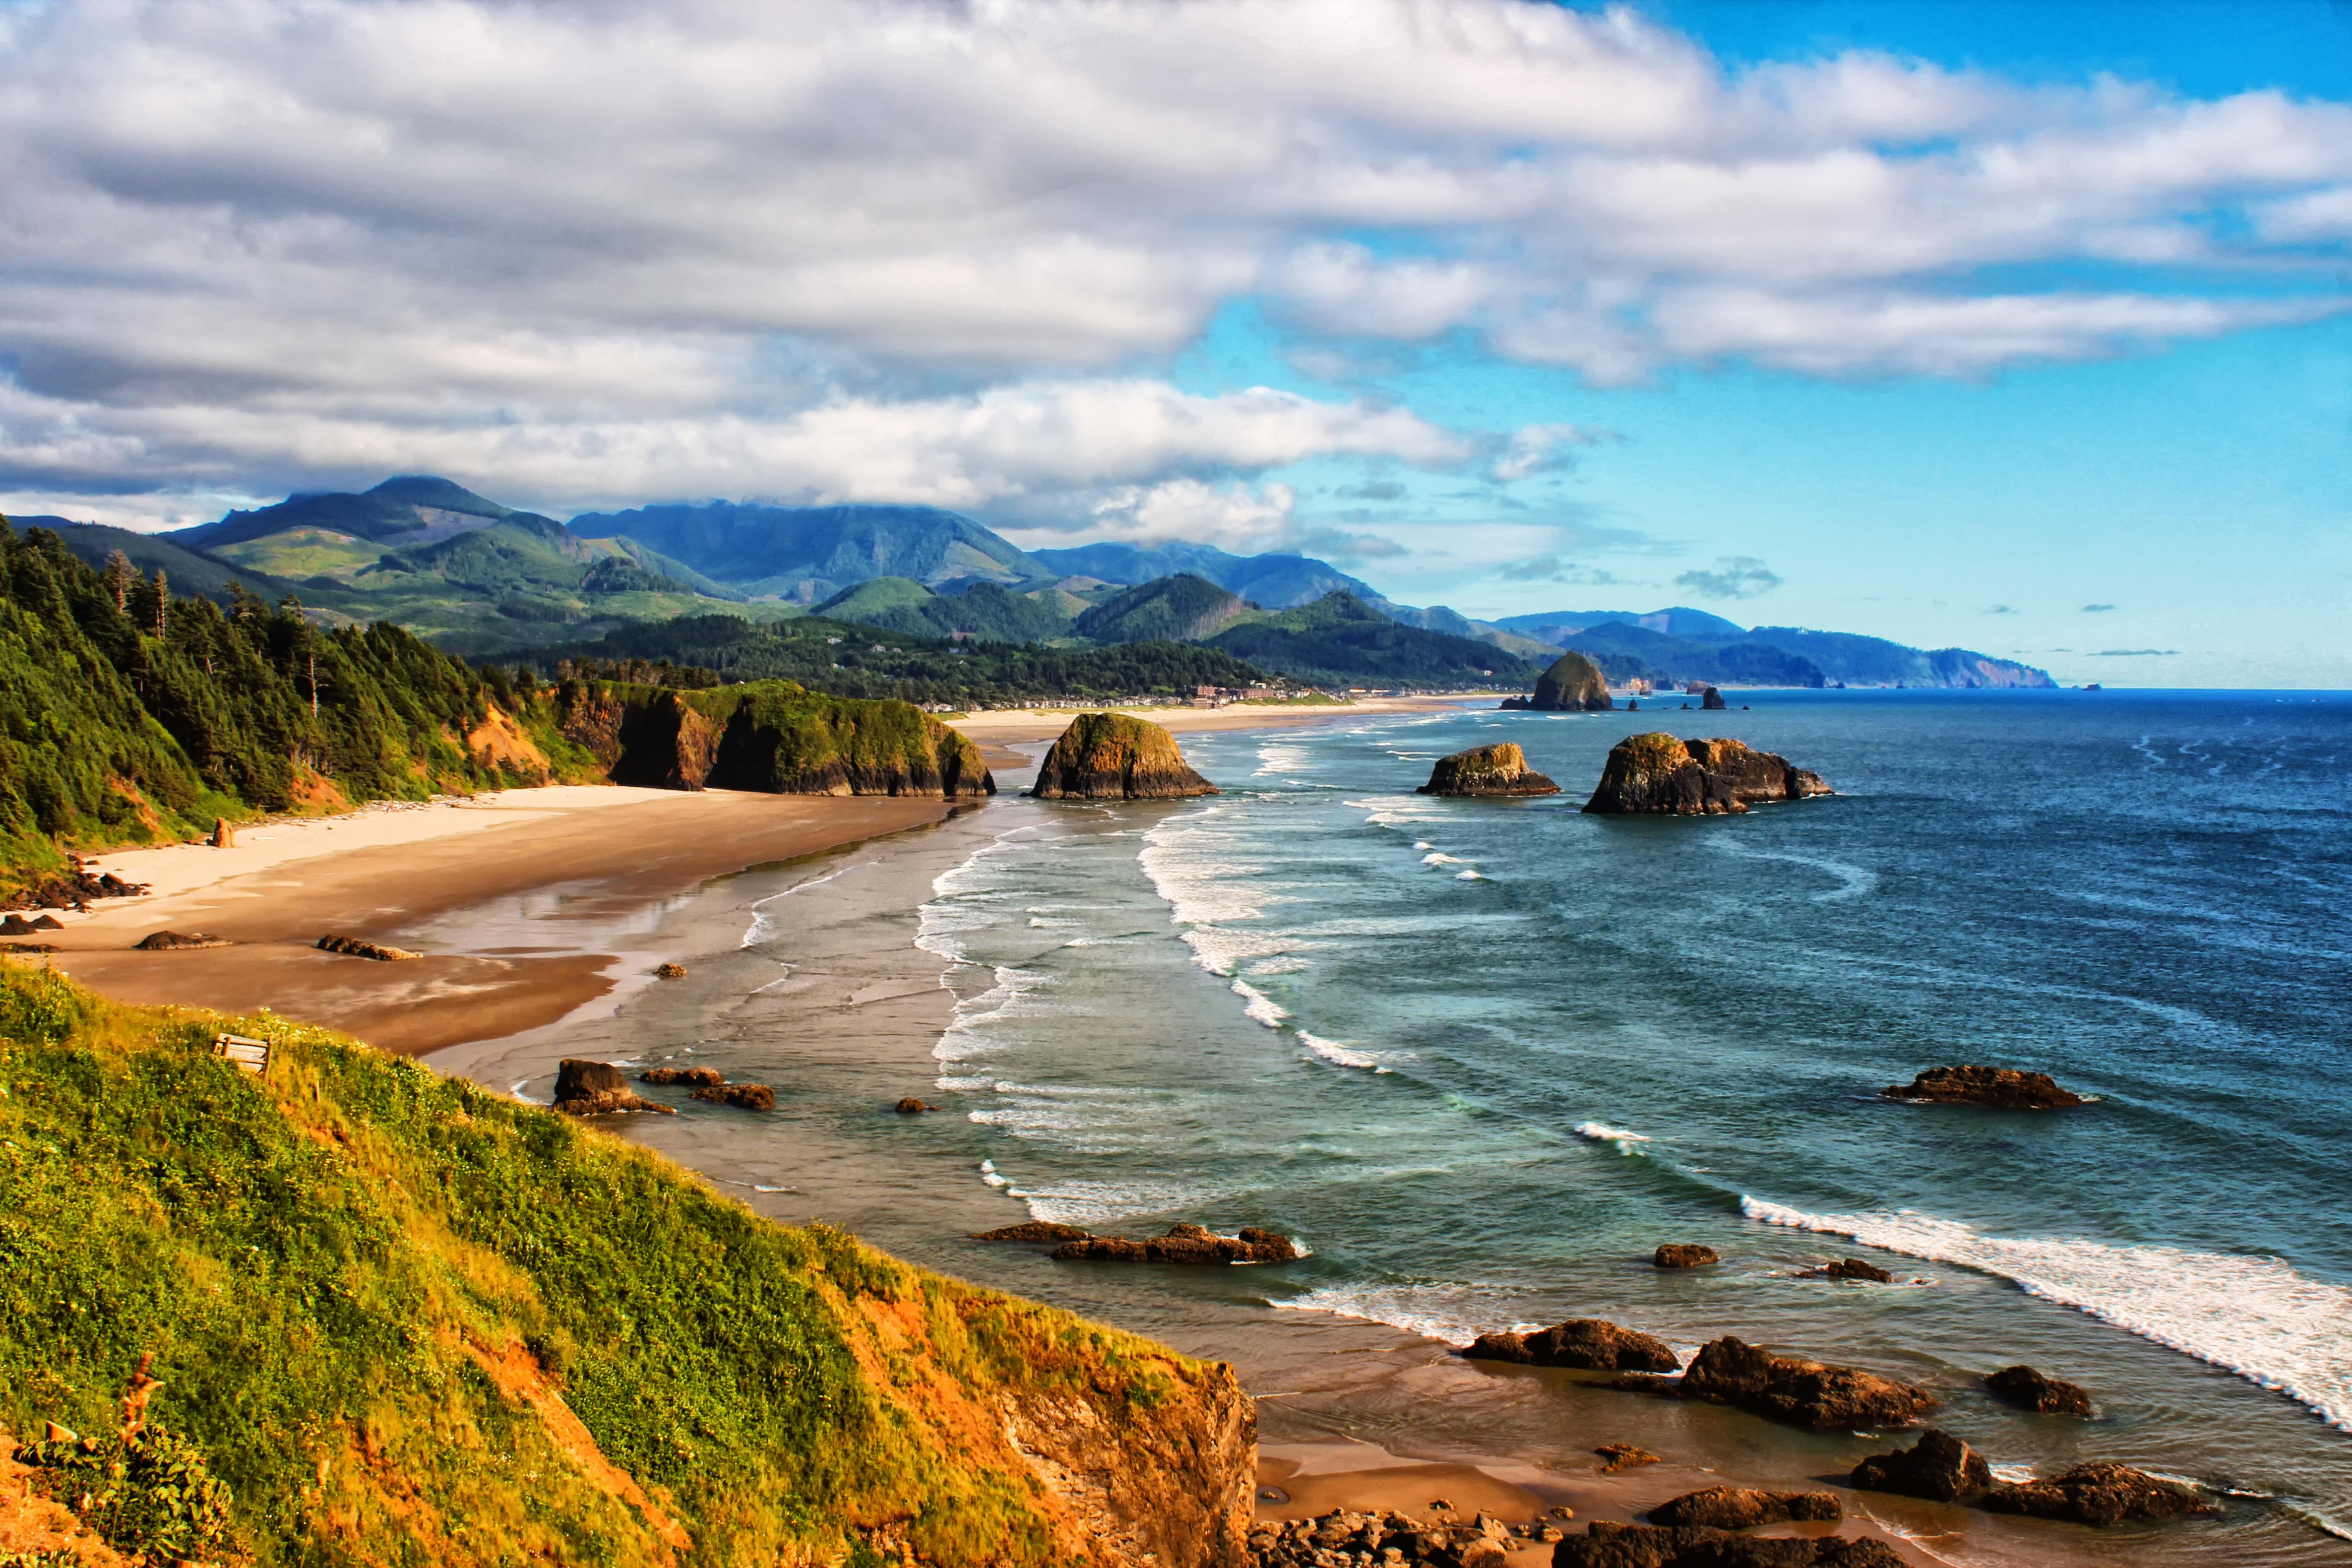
column 1498, row 769
column 2098, row 1494
column 596, row 1089
column 1116, row 757
column 1711, row 701
column 1659, row 775
column 1803, row 1392
column 1938, row 1466
column 2030, row 1390
column 1736, row 1508
column 2003, row 1088
column 1574, row 684
column 1588, row 1344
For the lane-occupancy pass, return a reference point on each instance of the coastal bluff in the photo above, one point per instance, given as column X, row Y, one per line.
column 1116, row 757
column 1660, row 775
column 1498, row 769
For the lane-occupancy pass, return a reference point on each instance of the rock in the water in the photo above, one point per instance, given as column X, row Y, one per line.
column 693, row 1077
column 1682, row 1255
column 1736, row 1508
column 1618, row 1456
column 1116, row 757
column 1498, row 769
column 670, row 971
column 1518, row 704
column 1711, row 701
column 1803, row 1392
column 153, row 942
column 1035, row 1230
column 2004, row 1088
column 2030, row 1390
column 1586, row 1343
column 2098, row 1494
column 1574, row 684
column 1607, row 1545
column 597, row 1088
column 1853, row 1268
column 1938, row 1466
column 744, row 1096
column 1185, row 1244
column 911, row 1107
column 358, row 948
column 1658, row 775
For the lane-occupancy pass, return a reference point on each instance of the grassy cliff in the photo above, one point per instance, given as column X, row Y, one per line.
column 397, row 1319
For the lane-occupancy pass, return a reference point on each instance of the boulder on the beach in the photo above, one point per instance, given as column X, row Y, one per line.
column 224, row 836
column 1184, row 1244
column 1035, row 1230
column 1736, row 1508
column 48, row 922
column 1711, row 701
column 597, row 1088
column 1608, row 1545
column 911, row 1106
column 2098, row 1494
column 692, row 1077
column 1659, row 775
column 153, row 942
column 669, row 971
column 2030, row 1390
column 2003, row 1088
column 1682, row 1255
column 1854, row 1269
column 360, row 947
column 72, row 888
column 1588, row 1344
column 1574, row 684
column 743, row 1096
column 1116, row 757
column 1498, row 769
column 1938, row 1466
column 1815, row 1394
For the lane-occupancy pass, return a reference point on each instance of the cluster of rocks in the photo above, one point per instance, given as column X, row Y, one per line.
column 1608, row 1545
column 1942, row 1468
column 1116, row 757
column 687, row 1077
column 597, row 1088
column 174, row 941
column 743, row 1096
column 1498, row 769
column 1662, row 776
column 1346, row 1539
column 360, row 947
column 17, row 926
column 2003, row 1088
column 1181, row 1244
column 72, row 888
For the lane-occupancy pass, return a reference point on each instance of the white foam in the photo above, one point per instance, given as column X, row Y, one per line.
column 1602, row 1132
column 2253, row 1316
column 989, row 1173
column 1438, row 858
column 1338, row 1051
column 1473, row 876
column 1432, row 1313
column 1261, row 1008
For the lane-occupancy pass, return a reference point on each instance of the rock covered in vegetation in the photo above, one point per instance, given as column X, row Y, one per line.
column 2030, row 1390
column 360, row 947
column 1573, row 683
column 1736, row 1508
column 2003, row 1088
column 1802, row 1393
column 1854, row 1270
column 1589, row 1344
column 1682, row 1255
column 1938, row 1466
column 163, row 941
column 692, row 1077
column 1608, row 1545
column 1345, row 1537
column 743, row 1096
column 1116, row 757
column 1615, row 1457
column 1659, row 775
column 596, row 1089
column 1498, row 769
column 1185, row 1244
column 2099, row 1494
column 1036, row 1230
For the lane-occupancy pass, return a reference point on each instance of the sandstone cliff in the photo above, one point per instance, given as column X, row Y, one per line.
column 1116, row 757
column 1659, row 774
column 1499, row 770
column 1574, row 684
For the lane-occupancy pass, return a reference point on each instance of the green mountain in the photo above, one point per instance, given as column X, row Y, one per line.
column 805, row 554
column 1673, row 643
column 1340, row 641
column 1279, row 582
column 986, row 610
column 1180, row 608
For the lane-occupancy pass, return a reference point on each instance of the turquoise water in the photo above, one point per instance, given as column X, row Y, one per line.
column 1484, row 1056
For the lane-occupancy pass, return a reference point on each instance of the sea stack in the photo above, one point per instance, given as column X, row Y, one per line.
column 1573, row 684
column 1659, row 775
column 1711, row 701
column 1116, row 757
column 1498, row 769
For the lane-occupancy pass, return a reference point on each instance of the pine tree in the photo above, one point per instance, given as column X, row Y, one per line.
column 117, row 578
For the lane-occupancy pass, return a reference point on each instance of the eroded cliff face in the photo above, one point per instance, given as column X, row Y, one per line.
column 1116, row 757
column 1573, row 684
column 1660, row 775
column 1498, row 769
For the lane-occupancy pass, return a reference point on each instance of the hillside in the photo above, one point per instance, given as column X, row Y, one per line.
column 1279, row 581
column 1628, row 652
column 1180, row 608
column 986, row 610
column 402, row 1320
column 1684, row 644
column 805, row 554
column 1340, row 641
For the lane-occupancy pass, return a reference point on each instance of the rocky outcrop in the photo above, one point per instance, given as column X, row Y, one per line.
column 1938, row 1466
column 1854, row 1269
column 1615, row 1457
column 2002, row 1088
column 1588, row 1344
column 17, row 926
column 1802, row 1393
column 1608, row 1545
column 2030, row 1390
column 360, row 947
column 2098, row 1494
column 1574, row 684
column 1736, row 1508
column 1440, row 1540
column 1035, row 1230
column 692, row 1077
column 596, row 1089
column 1514, row 704
column 161, row 941
column 1116, row 757
column 1682, row 1255
column 743, row 1096
column 1498, row 769
column 1711, row 701
column 1659, row 775
column 71, row 889
column 1184, row 1244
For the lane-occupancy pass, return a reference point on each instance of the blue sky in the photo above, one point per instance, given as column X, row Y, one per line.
column 1941, row 322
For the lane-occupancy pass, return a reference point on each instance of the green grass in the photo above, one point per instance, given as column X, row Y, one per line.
column 329, row 1265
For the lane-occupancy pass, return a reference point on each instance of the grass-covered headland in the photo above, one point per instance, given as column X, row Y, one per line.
column 393, row 1318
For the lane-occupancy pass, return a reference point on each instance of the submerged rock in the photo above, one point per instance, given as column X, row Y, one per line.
column 1116, row 757
column 1184, row 1244
column 1850, row 1268
column 1608, row 1545
column 1938, row 1466
column 1574, row 684
column 153, row 942
column 2098, row 1494
column 1803, row 1392
column 1035, row 1230
column 1682, row 1255
column 1659, row 775
column 2030, row 1390
column 360, row 947
column 1736, row 1508
column 1498, row 769
column 597, row 1088
column 1588, row 1344
column 743, row 1096
column 2004, row 1088
column 694, row 1077
column 1618, row 1456
column 911, row 1106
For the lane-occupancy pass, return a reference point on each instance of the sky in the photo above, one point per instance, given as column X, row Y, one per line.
column 2023, row 328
